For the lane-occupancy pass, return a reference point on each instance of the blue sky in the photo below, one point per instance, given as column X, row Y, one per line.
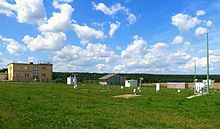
column 111, row 36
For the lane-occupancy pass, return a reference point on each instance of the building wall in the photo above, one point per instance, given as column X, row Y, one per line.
column 103, row 83
column 131, row 83
column 26, row 72
column 116, row 80
column 10, row 72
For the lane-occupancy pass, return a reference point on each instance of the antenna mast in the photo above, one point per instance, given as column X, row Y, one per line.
column 207, row 38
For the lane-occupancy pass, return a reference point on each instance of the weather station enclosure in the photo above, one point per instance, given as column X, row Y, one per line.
column 157, row 87
column 71, row 80
column 200, row 87
column 131, row 83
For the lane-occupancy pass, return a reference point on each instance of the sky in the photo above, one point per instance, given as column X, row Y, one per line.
column 115, row 36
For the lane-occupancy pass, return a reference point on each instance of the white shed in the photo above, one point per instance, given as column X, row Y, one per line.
column 131, row 83
column 71, row 80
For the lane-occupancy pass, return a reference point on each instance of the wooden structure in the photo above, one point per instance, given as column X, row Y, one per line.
column 177, row 85
column 111, row 79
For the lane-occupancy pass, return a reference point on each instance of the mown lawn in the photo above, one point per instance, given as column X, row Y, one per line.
column 24, row 105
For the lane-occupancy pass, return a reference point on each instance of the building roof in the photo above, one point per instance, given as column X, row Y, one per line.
column 30, row 63
column 107, row 76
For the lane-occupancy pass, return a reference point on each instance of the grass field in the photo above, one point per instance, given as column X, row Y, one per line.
column 24, row 105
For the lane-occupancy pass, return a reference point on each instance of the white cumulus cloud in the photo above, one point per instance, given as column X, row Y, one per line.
column 200, row 13
column 178, row 39
column 3, row 61
column 59, row 22
column 108, row 10
column 119, row 68
column 113, row 28
column 136, row 49
column 30, row 11
column 86, row 34
column 91, row 58
column 63, row 1
column 26, row 11
column 13, row 47
column 114, row 9
column 209, row 23
column 200, row 31
column 7, row 8
column 46, row 42
column 185, row 22
column 103, row 67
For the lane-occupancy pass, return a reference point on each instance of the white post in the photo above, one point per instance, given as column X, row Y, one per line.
column 158, row 87
column 135, row 91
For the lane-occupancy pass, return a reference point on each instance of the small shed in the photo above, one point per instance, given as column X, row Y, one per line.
column 111, row 79
column 177, row 85
column 131, row 83
column 71, row 80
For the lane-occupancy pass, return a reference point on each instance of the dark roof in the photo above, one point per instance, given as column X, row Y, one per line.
column 107, row 76
column 30, row 64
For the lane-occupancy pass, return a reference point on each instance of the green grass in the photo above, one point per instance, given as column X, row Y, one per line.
column 24, row 105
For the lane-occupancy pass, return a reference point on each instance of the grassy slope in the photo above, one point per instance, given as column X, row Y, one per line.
column 59, row 106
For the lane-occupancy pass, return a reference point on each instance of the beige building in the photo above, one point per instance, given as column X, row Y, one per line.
column 30, row 72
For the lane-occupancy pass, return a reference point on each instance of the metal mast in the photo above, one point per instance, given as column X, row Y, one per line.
column 195, row 71
column 207, row 41
column 195, row 77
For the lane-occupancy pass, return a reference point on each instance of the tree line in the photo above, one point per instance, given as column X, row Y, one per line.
column 148, row 78
column 86, row 77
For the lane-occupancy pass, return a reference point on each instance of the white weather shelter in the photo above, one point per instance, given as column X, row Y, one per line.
column 131, row 83
column 157, row 87
column 71, row 80
column 211, row 83
column 199, row 87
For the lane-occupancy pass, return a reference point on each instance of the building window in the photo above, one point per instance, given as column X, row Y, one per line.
column 26, row 67
column 44, row 75
column 43, row 68
column 26, row 75
column 35, row 70
column 17, row 67
column 17, row 74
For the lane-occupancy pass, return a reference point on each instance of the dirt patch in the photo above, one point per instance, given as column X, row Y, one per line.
column 197, row 95
column 126, row 96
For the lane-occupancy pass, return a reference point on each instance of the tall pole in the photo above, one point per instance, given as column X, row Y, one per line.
column 195, row 71
column 207, row 62
column 195, row 77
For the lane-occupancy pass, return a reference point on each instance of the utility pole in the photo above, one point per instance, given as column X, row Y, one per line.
column 207, row 41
